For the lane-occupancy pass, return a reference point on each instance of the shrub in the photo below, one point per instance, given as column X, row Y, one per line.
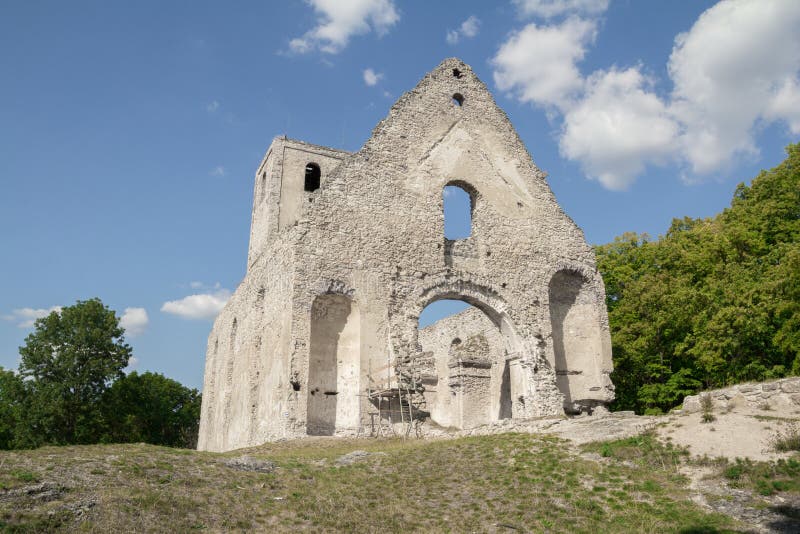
column 786, row 439
column 707, row 405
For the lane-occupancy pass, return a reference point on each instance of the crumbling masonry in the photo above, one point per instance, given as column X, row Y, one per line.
column 322, row 337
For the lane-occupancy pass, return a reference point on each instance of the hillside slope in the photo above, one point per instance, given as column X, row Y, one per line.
column 500, row 483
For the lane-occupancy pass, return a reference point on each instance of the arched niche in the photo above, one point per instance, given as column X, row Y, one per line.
column 334, row 365
column 576, row 333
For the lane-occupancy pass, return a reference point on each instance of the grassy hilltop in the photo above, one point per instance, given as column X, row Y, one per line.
column 500, row 483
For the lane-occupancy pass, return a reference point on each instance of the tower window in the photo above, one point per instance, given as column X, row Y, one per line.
column 458, row 99
column 312, row 179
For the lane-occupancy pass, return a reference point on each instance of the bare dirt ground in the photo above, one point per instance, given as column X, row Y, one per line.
column 743, row 433
column 739, row 433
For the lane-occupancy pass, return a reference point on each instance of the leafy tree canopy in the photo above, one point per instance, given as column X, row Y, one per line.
column 714, row 301
column 68, row 362
column 71, row 388
column 151, row 408
column 11, row 397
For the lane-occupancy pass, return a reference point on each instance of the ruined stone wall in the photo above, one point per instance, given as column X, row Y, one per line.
column 381, row 222
column 247, row 387
column 373, row 233
column 278, row 191
column 783, row 393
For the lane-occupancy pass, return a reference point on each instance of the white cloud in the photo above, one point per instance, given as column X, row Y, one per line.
column 134, row 321
column 219, row 170
column 538, row 63
column 554, row 8
column 338, row 20
column 786, row 105
column 212, row 107
column 25, row 317
column 738, row 65
column 371, row 77
column 200, row 306
column 468, row 29
column 205, row 287
column 617, row 128
column 736, row 70
column 133, row 363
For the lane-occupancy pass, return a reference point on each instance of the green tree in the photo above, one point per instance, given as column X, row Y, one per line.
column 153, row 409
column 714, row 301
column 12, row 397
column 70, row 360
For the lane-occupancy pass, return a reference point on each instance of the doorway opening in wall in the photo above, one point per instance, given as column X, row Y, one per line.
column 457, row 205
column 334, row 366
column 469, row 367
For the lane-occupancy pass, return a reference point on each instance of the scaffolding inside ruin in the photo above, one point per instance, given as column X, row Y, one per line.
column 399, row 393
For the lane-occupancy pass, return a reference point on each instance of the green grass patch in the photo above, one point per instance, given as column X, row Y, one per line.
column 644, row 450
column 766, row 478
column 489, row 483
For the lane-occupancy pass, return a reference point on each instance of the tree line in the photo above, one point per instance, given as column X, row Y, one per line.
column 71, row 388
column 713, row 302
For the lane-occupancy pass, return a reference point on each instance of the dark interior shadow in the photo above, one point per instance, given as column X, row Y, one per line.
column 790, row 521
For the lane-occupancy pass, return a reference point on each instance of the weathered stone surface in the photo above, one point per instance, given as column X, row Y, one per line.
column 790, row 385
column 757, row 396
column 354, row 457
column 337, row 276
column 248, row 463
column 691, row 404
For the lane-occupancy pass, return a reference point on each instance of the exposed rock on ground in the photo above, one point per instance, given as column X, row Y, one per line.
column 248, row 463
column 356, row 456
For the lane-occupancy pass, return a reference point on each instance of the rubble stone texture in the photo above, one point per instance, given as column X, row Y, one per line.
column 347, row 249
column 783, row 394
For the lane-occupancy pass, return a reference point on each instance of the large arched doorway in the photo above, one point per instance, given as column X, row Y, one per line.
column 471, row 371
column 333, row 366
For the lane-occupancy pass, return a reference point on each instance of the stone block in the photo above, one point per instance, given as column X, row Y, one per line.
column 791, row 385
column 738, row 400
column 691, row 404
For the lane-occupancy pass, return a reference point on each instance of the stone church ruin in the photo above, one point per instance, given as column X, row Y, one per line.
column 346, row 250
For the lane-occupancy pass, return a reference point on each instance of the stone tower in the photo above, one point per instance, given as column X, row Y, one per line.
column 346, row 249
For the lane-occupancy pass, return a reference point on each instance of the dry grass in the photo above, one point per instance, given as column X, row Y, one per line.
column 511, row 482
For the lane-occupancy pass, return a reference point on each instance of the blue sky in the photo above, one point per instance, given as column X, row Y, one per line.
column 130, row 131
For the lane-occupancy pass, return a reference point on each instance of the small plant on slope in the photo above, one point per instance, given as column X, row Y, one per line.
column 707, row 405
